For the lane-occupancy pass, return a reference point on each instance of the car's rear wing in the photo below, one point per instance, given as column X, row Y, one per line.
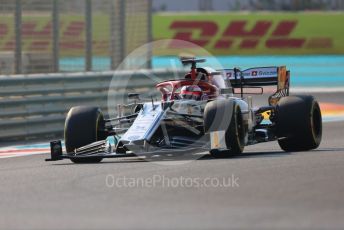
column 260, row 76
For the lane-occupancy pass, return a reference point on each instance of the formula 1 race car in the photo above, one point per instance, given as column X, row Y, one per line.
column 195, row 113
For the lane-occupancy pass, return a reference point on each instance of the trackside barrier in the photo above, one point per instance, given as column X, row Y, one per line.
column 33, row 107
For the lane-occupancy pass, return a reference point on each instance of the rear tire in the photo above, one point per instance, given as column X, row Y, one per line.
column 84, row 125
column 235, row 130
column 299, row 123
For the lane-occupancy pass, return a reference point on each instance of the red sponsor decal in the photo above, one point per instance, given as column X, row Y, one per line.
column 29, row 30
column 37, row 37
column 3, row 29
column 239, row 29
column 74, row 29
column 185, row 29
column 239, row 33
column 39, row 45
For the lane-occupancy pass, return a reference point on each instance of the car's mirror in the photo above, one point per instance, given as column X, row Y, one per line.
column 134, row 96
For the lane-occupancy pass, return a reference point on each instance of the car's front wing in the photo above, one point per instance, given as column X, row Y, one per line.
column 101, row 149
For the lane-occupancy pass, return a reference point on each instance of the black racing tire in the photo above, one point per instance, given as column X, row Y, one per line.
column 84, row 125
column 235, row 129
column 299, row 123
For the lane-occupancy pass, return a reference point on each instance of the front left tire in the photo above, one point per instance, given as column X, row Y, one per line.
column 84, row 125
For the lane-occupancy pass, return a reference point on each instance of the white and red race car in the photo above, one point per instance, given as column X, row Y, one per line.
column 197, row 112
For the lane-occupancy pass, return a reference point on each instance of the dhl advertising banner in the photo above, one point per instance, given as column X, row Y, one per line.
column 37, row 34
column 218, row 33
column 253, row 33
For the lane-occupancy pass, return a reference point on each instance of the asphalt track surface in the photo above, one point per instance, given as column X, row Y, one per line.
column 274, row 190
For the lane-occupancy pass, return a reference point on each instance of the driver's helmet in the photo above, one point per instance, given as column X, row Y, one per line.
column 191, row 92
